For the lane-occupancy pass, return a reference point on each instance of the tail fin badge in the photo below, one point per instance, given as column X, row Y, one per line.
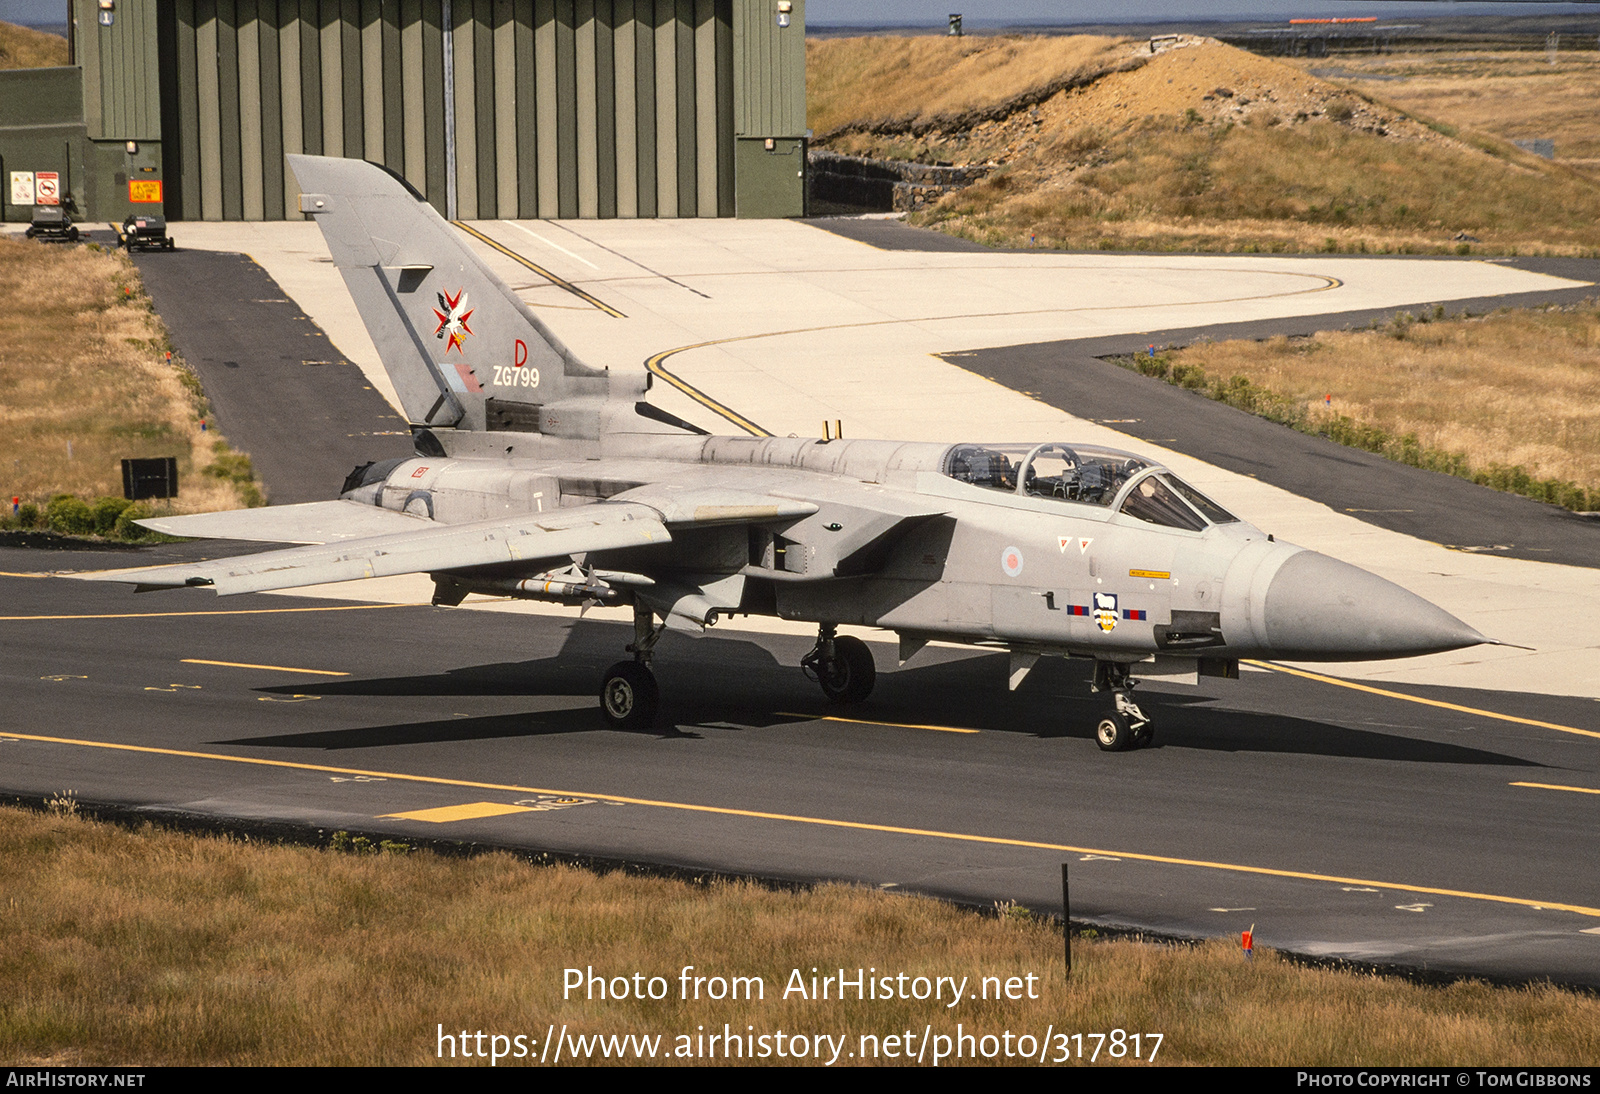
column 453, row 319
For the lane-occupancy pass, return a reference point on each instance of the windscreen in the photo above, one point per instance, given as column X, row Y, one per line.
column 1213, row 512
column 1154, row 499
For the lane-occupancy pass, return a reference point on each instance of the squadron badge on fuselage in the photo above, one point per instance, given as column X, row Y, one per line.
column 1105, row 610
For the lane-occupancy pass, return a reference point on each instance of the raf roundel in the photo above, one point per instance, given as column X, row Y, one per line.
column 1011, row 561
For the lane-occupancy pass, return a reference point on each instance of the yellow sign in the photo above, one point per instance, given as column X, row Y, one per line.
column 1159, row 575
column 144, row 190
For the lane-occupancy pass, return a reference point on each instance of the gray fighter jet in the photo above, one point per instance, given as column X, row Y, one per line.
column 539, row 477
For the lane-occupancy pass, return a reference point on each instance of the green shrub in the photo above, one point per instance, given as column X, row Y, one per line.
column 69, row 516
column 29, row 517
column 105, row 512
column 125, row 529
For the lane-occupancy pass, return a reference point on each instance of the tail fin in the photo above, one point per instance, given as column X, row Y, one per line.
column 462, row 349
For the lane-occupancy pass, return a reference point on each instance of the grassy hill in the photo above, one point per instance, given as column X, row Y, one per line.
column 1198, row 147
column 22, row 47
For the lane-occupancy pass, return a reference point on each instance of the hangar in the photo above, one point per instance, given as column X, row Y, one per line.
column 489, row 108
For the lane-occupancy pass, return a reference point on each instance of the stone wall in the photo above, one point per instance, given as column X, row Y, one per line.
column 884, row 185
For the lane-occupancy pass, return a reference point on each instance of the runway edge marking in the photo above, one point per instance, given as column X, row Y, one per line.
column 827, row 822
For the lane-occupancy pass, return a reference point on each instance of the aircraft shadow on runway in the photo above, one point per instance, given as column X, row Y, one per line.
column 733, row 683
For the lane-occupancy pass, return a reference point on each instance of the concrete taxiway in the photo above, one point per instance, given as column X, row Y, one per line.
column 1436, row 811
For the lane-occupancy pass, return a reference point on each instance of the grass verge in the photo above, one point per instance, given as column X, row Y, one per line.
column 1509, row 400
column 152, row 947
column 87, row 378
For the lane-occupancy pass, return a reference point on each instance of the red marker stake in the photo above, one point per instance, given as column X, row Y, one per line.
column 1247, row 940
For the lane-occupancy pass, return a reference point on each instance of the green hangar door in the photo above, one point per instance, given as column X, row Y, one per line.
column 489, row 108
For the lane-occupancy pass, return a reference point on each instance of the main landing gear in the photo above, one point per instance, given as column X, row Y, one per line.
column 629, row 694
column 1126, row 727
column 843, row 666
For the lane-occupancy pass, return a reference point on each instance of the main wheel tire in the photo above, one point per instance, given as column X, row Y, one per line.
column 1146, row 736
column 1113, row 734
column 850, row 675
column 629, row 696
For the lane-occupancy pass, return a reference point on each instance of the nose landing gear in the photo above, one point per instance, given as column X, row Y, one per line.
column 843, row 666
column 1126, row 727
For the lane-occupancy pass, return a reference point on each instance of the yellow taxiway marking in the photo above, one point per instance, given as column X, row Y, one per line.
column 540, row 270
column 270, row 668
column 1418, row 699
column 229, row 611
column 825, row 822
column 655, row 363
column 470, row 811
column 1557, row 786
column 864, row 722
column 8, row 573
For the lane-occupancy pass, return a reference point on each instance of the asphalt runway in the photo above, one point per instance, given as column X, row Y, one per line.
column 280, row 390
column 1445, row 829
column 1410, row 828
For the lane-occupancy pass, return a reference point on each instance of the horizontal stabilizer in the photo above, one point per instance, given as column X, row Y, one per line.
column 313, row 522
column 431, row 547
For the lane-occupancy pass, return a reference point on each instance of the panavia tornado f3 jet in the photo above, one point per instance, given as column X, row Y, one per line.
column 536, row 476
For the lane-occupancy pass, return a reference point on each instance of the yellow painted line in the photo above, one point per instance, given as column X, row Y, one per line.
column 654, row 364
column 8, row 573
column 824, row 822
column 271, row 668
column 230, row 611
column 540, row 270
column 1418, row 699
column 1557, row 786
column 864, row 722
column 470, row 811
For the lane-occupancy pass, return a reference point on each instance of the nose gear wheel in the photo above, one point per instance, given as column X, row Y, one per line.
column 842, row 666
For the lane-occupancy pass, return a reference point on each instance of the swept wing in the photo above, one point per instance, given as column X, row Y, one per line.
column 431, row 547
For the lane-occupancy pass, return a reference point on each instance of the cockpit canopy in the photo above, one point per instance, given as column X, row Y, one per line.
column 1087, row 475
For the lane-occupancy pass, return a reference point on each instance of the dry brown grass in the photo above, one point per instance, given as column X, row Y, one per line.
column 906, row 82
column 1206, row 147
column 24, row 47
column 150, row 948
column 1315, row 187
column 84, row 382
column 1508, row 95
column 1513, row 388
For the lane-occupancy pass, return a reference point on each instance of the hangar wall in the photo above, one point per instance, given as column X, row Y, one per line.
column 95, row 123
column 490, row 108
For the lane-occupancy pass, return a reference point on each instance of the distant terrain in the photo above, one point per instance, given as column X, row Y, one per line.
column 23, row 47
column 1199, row 146
column 1526, row 95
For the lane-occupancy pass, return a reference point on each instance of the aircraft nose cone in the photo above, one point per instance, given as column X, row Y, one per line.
column 1318, row 608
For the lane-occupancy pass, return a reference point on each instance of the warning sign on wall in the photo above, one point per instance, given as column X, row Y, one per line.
column 22, row 187
column 144, row 190
column 47, row 188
